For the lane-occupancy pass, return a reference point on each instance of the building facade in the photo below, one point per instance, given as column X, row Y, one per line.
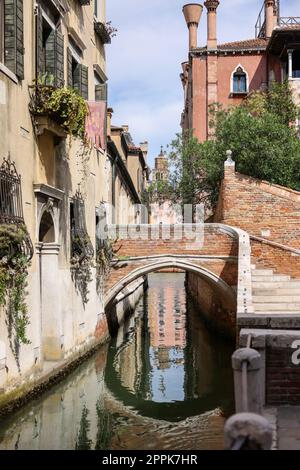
column 55, row 182
column 227, row 73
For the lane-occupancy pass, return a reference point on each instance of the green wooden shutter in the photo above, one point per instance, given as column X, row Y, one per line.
column 14, row 37
column 101, row 92
column 84, row 82
column 59, row 59
column 40, row 69
column 70, row 75
column 50, row 58
column 77, row 78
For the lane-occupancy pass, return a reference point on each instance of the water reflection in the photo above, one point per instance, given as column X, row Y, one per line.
column 164, row 382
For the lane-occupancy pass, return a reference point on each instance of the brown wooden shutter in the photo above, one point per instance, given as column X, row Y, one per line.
column 84, row 82
column 14, row 37
column 70, row 74
column 39, row 44
column 101, row 92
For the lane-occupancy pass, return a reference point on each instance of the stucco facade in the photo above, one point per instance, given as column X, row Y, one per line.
column 57, row 172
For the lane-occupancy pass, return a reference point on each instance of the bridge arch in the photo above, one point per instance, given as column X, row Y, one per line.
column 171, row 263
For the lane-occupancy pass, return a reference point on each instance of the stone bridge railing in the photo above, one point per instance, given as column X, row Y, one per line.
column 195, row 243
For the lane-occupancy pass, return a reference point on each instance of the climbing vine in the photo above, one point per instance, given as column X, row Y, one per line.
column 81, row 266
column 13, row 282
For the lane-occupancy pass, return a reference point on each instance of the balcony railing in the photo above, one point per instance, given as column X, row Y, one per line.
column 289, row 21
column 11, row 207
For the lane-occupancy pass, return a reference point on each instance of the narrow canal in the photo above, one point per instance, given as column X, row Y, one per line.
column 165, row 382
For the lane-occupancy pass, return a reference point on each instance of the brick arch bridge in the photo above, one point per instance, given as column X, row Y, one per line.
column 216, row 253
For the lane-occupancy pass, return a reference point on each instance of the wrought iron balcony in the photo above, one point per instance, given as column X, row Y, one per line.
column 11, row 207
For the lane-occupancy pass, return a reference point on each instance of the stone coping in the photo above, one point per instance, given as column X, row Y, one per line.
column 275, row 244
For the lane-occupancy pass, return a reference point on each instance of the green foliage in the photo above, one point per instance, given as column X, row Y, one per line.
column 13, row 282
column 276, row 100
column 259, row 132
column 65, row 105
column 159, row 190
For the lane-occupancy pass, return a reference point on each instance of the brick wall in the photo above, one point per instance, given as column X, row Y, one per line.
column 282, row 377
column 217, row 309
column 261, row 209
column 226, row 269
column 276, row 258
column 270, row 212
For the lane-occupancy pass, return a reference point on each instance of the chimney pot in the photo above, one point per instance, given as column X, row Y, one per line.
column 211, row 6
column 269, row 15
column 192, row 13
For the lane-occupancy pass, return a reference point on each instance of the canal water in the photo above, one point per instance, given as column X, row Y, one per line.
column 165, row 382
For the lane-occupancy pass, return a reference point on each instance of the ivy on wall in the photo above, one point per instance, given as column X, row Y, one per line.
column 14, row 266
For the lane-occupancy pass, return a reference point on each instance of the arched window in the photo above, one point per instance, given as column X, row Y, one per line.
column 239, row 81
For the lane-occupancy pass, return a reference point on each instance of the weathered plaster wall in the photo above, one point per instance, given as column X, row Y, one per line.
column 52, row 297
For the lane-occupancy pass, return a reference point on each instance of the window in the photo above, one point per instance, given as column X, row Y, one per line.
column 81, row 245
column 100, row 88
column 239, row 81
column 77, row 73
column 50, row 50
column 296, row 64
column 11, row 210
column 12, row 36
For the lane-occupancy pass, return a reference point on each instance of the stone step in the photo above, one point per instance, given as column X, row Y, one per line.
column 292, row 284
column 281, row 307
column 273, row 278
column 267, row 312
column 262, row 272
column 276, row 298
column 286, row 291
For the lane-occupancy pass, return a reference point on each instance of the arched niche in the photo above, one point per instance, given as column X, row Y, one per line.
column 47, row 228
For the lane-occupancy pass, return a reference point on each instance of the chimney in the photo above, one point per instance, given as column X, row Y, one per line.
column 269, row 16
column 212, row 6
column 192, row 13
column 144, row 148
column 109, row 116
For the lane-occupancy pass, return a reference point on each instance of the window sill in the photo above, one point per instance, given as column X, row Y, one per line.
column 238, row 93
column 8, row 73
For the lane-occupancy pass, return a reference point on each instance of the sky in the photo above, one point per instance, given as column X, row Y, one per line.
column 144, row 60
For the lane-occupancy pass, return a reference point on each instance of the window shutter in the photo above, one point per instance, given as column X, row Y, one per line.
column 50, row 58
column 101, row 92
column 77, row 78
column 70, row 75
column 14, row 37
column 84, row 71
column 39, row 44
column 59, row 59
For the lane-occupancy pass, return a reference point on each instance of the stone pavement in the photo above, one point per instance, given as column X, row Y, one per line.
column 286, row 424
